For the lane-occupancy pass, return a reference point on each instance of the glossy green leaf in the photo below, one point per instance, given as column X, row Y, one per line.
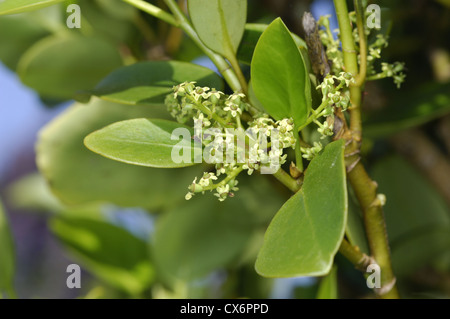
column 279, row 75
column 148, row 83
column 18, row 6
column 328, row 288
column 307, row 231
column 107, row 251
column 77, row 175
column 59, row 66
column 253, row 32
column 7, row 256
column 417, row 218
column 410, row 109
column 220, row 24
column 144, row 142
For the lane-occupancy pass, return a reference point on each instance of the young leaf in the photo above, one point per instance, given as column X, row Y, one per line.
column 148, row 83
column 305, row 235
column 18, row 6
column 109, row 252
column 7, row 257
column 279, row 75
column 59, row 66
column 220, row 24
column 78, row 176
column 144, row 142
column 328, row 288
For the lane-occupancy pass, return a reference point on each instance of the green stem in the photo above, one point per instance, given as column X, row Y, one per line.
column 315, row 115
column 354, row 255
column 366, row 192
column 229, row 177
column 221, row 64
column 237, row 69
column 351, row 65
column 154, row 11
column 212, row 115
column 298, row 153
column 378, row 76
column 365, row 189
column 286, row 179
column 361, row 78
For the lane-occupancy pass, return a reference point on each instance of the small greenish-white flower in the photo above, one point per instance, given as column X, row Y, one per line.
column 285, row 125
column 215, row 96
column 200, row 92
column 233, row 185
column 347, row 77
column 335, row 97
column 189, row 195
column 311, row 152
column 194, row 187
column 250, row 167
column 202, row 121
column 207, row 179
column 222, row 192
column 374, row 53
column 325, row 130
column 237, row 97
column 233, row 108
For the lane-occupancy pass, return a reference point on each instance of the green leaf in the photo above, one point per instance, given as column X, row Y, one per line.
column 107, row 251
column 7, row 256
column 144, row 142
column 33, row 193
column 18, row 6
column 17, row 34
column 417, row 218
column 199, row 237
column 117, row 9
column 112, row 19
column 307, row 231
column 148, row 83
column 203, row 234
column 253, row 32
column 220, row 24
column 77, row 176
column 409, row 109
column 279, row 76
column 59, row 66
column 328, row 288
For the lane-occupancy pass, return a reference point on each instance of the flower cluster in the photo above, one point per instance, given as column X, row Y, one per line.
column 394, row 71
column 332, row 44
column 217, row 122
column 375, row 48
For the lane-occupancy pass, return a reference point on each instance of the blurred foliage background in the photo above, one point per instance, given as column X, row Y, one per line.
column 130, row 228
